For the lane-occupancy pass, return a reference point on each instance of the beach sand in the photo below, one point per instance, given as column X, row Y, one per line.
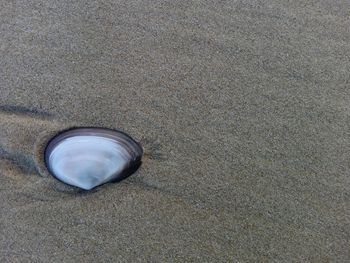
column 242, row 108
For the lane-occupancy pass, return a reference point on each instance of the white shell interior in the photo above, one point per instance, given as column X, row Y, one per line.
column 88, row 161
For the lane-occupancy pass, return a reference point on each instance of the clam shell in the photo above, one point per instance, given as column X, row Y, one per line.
column 89, row 157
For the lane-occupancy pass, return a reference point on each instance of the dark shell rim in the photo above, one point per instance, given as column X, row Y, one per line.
column 131, row 145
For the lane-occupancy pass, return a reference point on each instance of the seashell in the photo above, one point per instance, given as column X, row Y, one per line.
column 89, row 157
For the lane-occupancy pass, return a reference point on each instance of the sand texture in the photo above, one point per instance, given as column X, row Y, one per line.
column 242, row 108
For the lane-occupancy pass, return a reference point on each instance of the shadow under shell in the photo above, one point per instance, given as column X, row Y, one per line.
column 89, row 157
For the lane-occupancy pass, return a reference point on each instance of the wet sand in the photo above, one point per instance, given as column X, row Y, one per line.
column 242, row 108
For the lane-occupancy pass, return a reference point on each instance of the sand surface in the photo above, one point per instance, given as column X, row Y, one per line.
column 242, row 108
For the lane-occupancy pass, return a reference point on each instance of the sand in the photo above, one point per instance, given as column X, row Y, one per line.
column 242, row 108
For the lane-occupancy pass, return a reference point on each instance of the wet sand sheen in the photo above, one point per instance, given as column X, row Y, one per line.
column 241, row 109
